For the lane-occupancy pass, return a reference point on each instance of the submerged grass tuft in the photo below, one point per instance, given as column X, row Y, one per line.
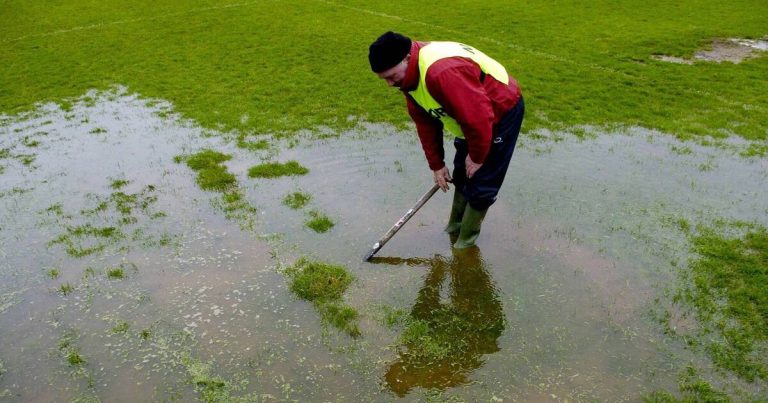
column 53, row 273
column 393, row 317
column 29, row 142
column 242, row 142
column 297, row 200
column 69, row 350
column 725, row 290
column 276, row 169
column 119, row 183
column 341, row 316
column 121, row 327
column 66, row 289
column 236, row 207
column 213, row 175
column 211, row 388
column 319, row 222
column 692, row 388
column 116, row 273
column 74, row 358
column 730, row 280
column 74, row 237
column 324, row 285
column 85, row 239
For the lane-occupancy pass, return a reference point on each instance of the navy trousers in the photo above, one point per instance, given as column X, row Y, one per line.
column 481, row 190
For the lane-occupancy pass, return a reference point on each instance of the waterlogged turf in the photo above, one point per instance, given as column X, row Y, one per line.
column 153, row 235
column 729, row 280
column 571, row 295
column 296, row 200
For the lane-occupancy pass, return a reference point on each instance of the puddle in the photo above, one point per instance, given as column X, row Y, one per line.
column 733, row 50
column 571, row 259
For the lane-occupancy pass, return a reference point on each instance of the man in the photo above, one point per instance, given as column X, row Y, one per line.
column 454, row 87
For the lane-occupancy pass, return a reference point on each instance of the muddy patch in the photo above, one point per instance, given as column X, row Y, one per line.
column 733, row 50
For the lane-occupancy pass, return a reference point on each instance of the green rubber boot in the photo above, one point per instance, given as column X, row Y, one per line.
column 470, row 227
column 457, row 211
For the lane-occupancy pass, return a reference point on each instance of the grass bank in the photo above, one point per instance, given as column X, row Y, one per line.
column 272, row 66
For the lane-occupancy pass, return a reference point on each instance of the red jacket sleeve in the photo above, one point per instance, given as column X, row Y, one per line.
column 430, row 134
column 455, row 85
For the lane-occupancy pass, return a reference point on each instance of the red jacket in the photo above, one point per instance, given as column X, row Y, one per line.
column 477, row 106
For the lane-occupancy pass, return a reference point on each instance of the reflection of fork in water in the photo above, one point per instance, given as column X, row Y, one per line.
column 444, row 339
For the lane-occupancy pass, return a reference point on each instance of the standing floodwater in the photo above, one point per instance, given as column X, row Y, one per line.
column 121, row 277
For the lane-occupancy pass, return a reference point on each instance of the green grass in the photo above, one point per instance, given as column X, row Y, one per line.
column 69, row 350
column 237, row 208
column 316, row 281
column 297, row 200
column 243, row 142
column 324, row 285
column 723, row 289
column 211, row 173
column 118, row 183
column 30, row 142
column 276, row 169
column 446, row 334
column 319, row 222
column 74, row 359
column 53, row 273
column 115, row 273
column 692, row 390
column 84, row 240
column 27, row 159
column 121, row 327
column 210, row 387
column 217, row 179
column 730, row 279
column 125, row 203
column 108, row 219
column 340, row 316
column 260, row 67
column 66, row 289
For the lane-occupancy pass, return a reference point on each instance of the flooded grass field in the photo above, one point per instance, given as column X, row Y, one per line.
column 122, row 279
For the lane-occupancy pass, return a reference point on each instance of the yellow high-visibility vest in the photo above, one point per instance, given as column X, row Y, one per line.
column 435, row 51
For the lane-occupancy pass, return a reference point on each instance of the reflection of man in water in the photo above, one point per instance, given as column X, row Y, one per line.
column 443, row 341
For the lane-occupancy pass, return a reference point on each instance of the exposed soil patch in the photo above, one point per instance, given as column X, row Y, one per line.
column 733, row 50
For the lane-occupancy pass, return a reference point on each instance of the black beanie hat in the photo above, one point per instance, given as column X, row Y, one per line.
column 388, row 50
